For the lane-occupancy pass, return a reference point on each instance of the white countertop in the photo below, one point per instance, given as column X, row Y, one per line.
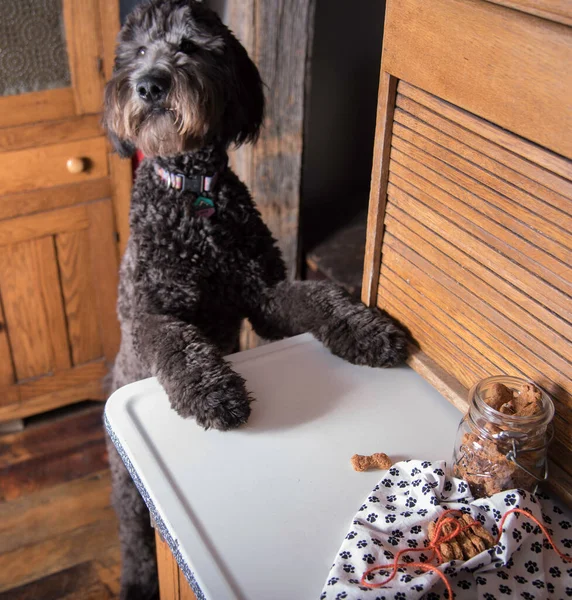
column 260, row 512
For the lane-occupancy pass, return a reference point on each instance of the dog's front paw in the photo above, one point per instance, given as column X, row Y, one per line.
column 218, row 401
column 369, row 337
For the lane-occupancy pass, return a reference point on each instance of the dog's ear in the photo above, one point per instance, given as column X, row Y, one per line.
column 111, row 116
column 244, row 111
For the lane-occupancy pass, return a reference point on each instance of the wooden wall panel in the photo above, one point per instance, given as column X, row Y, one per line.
column 278, row 37
column 477, row 242
column 37, row 328
column 75, row 269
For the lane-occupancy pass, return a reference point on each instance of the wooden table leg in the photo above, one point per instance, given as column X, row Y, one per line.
column 172, row 583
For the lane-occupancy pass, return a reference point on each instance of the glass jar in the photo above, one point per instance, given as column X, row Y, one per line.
column 496, row 450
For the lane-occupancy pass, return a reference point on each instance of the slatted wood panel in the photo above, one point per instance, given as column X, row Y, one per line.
column 477, row 247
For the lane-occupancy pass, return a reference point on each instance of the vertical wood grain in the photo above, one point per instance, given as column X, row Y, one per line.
column 77, row 286
column 168, row 571
column 278, row 37
column 83, row 31
column 6, row 365
column 104, row 271
column 378, row 192
column 122, row 178
column 33, row 307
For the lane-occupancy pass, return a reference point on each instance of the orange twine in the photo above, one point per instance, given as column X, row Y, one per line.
column 439, row 538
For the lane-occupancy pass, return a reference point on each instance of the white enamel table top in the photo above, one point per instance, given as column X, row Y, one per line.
column 260, row 512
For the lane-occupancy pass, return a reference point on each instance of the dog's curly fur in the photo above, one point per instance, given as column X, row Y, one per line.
column 186, row 282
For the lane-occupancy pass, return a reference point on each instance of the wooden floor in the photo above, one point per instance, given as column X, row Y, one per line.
column 58, row 532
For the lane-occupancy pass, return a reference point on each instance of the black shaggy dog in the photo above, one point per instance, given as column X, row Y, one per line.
column 200, row 259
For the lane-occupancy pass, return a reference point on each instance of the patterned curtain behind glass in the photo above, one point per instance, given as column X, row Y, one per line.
column 33, row 52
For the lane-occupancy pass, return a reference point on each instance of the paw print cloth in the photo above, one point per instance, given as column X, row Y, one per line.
column 396, row 515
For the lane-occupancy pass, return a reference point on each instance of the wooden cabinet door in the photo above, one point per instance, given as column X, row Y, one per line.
column 58, row 282
column 51, row 59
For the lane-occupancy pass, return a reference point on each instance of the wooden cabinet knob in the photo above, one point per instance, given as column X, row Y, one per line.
column 75, row 165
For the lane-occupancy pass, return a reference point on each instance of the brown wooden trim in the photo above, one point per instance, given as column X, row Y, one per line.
column 445, row 384
column 109, row 19
column 42, row 224
column 104, row 274
column 49, row 133
column 46, row 199
column 36, row 106
column 167, row 570
column 46, row 393
column 85, row 53
column 553, row 10
column 122, row 177
column 378, row 193
column 172, row 583
column 430, row 45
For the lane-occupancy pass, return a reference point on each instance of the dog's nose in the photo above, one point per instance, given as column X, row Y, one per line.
column 153, row 88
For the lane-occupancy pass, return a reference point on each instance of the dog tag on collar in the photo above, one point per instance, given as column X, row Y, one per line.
column 204, row 207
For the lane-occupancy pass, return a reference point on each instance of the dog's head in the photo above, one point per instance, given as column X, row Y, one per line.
column 181, row 80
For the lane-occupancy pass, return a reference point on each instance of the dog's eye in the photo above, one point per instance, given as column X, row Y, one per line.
column 188, row 47
column 141, row 51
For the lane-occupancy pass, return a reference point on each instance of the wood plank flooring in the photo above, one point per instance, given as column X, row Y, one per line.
column 58, row 532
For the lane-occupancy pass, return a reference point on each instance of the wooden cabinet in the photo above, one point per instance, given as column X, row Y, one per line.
column 63, row 205
column 470, row 220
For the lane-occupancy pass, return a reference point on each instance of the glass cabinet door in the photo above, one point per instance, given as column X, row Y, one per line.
column 50, row 60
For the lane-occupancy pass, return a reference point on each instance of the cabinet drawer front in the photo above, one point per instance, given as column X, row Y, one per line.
column 50, row 166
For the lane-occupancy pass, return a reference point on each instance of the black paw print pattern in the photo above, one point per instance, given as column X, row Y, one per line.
column 531, row 566
column 510, row 499
column 536, row 547
column 395, row 515
column 555, row 571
